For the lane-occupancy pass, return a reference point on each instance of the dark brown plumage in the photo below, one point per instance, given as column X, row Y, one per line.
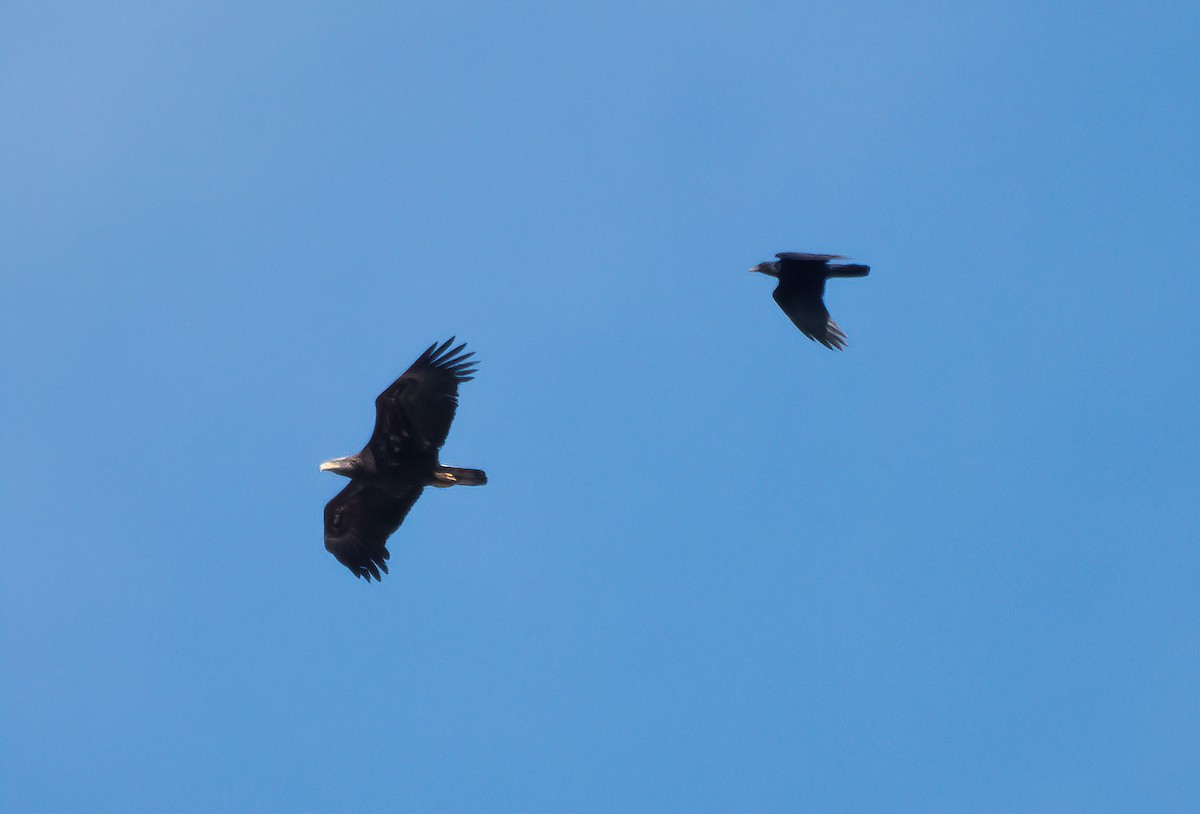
column 412, row 420
column 801, row 291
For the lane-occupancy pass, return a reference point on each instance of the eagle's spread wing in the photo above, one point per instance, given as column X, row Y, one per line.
column 359, row 520
column 415, row 412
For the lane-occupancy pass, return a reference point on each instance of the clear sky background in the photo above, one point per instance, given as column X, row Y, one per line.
column 718, row 567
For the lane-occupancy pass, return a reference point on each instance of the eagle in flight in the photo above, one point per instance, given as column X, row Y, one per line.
column 412, row 420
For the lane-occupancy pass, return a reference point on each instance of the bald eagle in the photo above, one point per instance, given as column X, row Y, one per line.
column 801, row 289
column 412, row 420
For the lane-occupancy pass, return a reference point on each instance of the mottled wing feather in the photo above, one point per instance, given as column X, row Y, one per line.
column 415, row 412
column 358, row 522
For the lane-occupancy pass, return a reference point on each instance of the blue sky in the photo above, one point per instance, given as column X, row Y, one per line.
column 717, row 567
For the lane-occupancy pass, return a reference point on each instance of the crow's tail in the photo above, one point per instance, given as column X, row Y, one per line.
column 848, row 270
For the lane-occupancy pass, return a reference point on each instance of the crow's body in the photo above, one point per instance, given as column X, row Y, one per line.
column 801, row 292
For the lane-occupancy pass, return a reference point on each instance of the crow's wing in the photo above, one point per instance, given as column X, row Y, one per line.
column 801, row 301
column 804, row 258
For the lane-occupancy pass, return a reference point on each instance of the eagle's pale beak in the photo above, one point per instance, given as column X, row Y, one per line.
column 342, row 466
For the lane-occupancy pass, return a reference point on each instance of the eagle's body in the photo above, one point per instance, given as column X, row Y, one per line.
column 412, row 420
column 801, row 292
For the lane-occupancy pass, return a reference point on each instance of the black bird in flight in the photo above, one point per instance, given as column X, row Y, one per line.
column 412, row 420
column 801, row 288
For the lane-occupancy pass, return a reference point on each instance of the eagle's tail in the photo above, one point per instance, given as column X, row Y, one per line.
column 847, row 270
column 457, row 476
